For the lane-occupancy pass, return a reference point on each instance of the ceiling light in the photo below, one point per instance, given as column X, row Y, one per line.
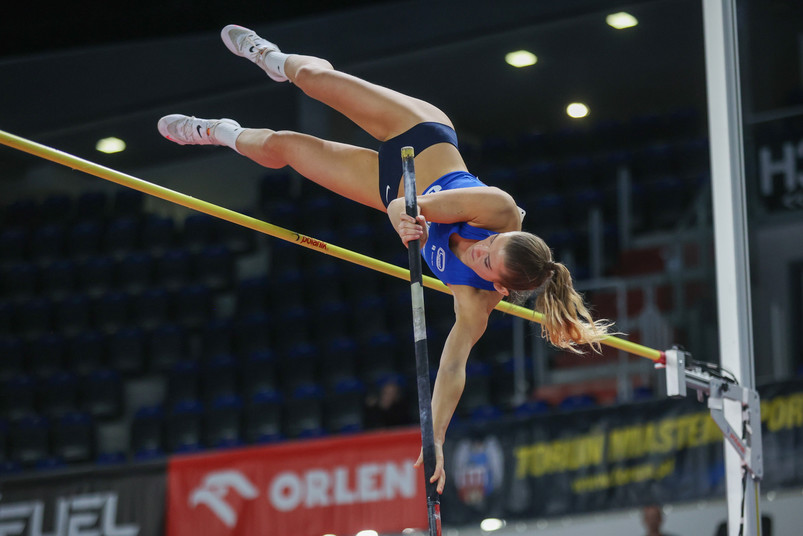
column 491, row 524
column 621, row 20
column 521, row 58
column 110, row 145
column 577, row 110
column 367, row 533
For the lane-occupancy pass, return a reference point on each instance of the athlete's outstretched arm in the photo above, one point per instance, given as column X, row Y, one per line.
column 472, row 308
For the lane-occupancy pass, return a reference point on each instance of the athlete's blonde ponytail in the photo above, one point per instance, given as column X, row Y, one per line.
column 567, row 323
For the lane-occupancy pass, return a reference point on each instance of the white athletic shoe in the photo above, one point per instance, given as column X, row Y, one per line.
column 188, row 130
column 247, row 44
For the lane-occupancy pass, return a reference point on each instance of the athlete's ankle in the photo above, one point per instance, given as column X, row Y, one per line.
column 274, row 62
column 226, row 134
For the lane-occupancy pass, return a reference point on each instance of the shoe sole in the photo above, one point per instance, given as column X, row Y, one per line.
column 224, row 35
column 161, row 126
column 234, row 49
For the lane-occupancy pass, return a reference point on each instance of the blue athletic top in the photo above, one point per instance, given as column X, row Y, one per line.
column 443, row 263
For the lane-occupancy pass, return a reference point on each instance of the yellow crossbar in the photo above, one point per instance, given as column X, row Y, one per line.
column 73, row 162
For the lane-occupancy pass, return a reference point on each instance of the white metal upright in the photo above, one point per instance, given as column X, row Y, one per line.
column 731, row 246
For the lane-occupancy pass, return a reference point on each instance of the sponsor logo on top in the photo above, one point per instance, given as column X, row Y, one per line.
column 479, row 469
column 223, row 492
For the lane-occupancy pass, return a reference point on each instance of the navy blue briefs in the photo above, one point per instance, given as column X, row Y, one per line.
column 419, row 137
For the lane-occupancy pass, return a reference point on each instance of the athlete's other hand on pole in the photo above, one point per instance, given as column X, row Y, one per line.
column 439, row 475
column 409, row 228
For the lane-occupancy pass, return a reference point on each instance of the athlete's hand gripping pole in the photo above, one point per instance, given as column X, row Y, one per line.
column 421, row 354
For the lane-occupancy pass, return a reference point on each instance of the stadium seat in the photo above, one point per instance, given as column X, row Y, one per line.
column 330, row 319
column 150, row 308
column 19, row 281
column 24, row 212
column 531, row 408
column 128, row 203
column 12, row 350
column 339, row 360
column 56, row 208
column 47, row 243
column 240, row 240
column 59, row 278
column 183, row 427
column 167, row 344
column 295, row 327
column 477, row 392
column 183, row 382
column 58, row 394
column 173, row 269
column 18, row 397
column 285, row 290
column 134, row 271
column 216, row 337
column 252, row 295
column 29, row 441
column 96, row 275
column 101, row 394
column 45, row 354
column 199, row 231
column 259, row 373
column 219, row 377
column 84, row 239
column 146, row 431
column 86, row 351
column 262, row 418
column 121, row 236
column 344, row 407
column 302, row 414
column 73, row 437
column 485, row 414
column 192, row 306
column 251, row 333
column 378, row 356
column 299, row 366
column 214, row 267
column 369, row 317
column 91, row 206
column 34, row 317
column 158, row 234
column 577, row 402
column 223, row 421
column 14, row 245
column 126, row 350
column 7, row 314
column 110, row 311
column 3, row 443
column 322, row 283
column 106, row 459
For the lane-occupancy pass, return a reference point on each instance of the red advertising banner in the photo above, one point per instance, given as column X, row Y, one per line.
column 305, row 488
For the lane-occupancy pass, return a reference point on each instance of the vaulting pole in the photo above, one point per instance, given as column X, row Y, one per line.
column 421, row 352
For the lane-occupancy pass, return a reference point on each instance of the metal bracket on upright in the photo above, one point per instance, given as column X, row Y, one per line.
column 680, row 375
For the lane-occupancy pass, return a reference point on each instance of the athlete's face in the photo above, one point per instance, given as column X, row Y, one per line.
column 486, row 257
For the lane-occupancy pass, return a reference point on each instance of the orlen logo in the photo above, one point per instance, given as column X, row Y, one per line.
column 314, row 488
column 370, row 482
column 214, row 490
column 320, row 244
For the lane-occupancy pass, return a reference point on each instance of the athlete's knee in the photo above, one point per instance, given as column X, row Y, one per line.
column 311, row 68
column 273, row 148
